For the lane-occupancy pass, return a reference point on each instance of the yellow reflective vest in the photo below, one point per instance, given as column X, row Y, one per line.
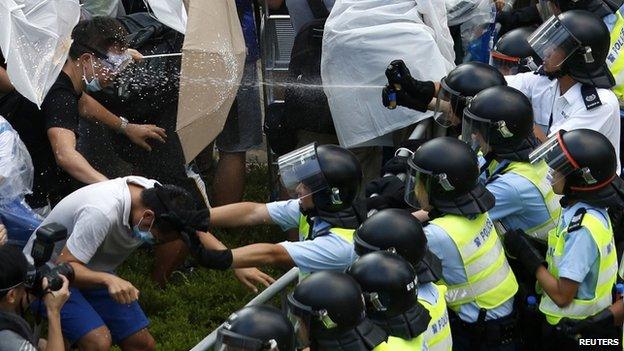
column 607, row 271
column 438, row 337
column 615, row 58
column 394, row 344
column 490, row 280
column 537, row 175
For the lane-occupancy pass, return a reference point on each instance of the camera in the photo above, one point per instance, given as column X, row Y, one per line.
column 46, row 238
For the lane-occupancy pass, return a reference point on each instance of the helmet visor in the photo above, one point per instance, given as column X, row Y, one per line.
column 299, row 315
column 300, row 172
column 553, row 42
column 118, row 62
column 446, row 102
column 476, row 131
column 507, row 65
column 556, row 156
column 230, row 341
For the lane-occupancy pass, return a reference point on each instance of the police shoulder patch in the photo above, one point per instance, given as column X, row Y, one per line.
column 577, row 219
column 590, row 96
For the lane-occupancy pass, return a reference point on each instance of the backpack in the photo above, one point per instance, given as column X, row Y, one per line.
column 306, row 104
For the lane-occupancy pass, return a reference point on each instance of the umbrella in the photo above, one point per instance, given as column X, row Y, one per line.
column 35, row 36
column 171, row 13
column 213, row 56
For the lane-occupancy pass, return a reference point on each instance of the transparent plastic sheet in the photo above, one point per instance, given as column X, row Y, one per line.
column 462, row 11
column 371, row 34
column 170, row 12
column 35, row 37
column 20, row 221
column 478, row 32
column 16, row 168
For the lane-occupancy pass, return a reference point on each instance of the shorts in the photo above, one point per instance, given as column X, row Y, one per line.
column 243, row 127
column 89, row 309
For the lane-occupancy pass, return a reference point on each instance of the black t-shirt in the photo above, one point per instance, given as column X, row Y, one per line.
column 59, row 109
column 60, row 106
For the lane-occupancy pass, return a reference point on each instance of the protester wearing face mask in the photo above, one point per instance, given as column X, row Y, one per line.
column 15, row 332
column 105, row 223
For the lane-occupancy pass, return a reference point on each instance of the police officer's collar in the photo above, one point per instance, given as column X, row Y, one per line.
column 364, row 337
column 349, row 218
column 611, row 195
column 407, row 325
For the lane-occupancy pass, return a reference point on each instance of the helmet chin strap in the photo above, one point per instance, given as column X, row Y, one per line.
column 552, row 75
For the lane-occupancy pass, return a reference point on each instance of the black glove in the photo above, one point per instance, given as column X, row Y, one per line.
column 213, row 259
column 390, row 192
column 404, row 90
column 596, row 324
column 519, row 247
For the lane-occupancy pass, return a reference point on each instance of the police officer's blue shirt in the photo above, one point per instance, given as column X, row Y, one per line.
column 441, row 244
column 519, row 204
column 326, row 251
column 580, row 261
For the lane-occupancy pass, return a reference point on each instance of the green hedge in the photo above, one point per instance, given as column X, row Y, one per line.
column 195, row 303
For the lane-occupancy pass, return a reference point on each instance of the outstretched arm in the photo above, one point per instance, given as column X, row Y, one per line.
column 240, row 215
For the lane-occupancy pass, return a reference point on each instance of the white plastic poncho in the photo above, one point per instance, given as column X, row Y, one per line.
column 361, row 38
column 35, row 36
column 16, row 168
column 171, row 13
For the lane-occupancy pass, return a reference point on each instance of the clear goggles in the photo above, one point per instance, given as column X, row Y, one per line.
column 228, row 340
column 300, row 172
column 447, row 102
column 510, row 65
column 554, row 153
column 117, row 62
column 418, row 179
column 554, row 43
column 477, row 131
column 300, row 316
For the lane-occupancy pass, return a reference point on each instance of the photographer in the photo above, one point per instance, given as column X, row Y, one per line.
column 15, row 332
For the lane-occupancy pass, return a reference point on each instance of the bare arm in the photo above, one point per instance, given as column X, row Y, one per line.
column 261, row 254
column 240, row 215
column 5, row 82
column 120, row 290
column 63, row 143
column 90, row 108
column 561, row 291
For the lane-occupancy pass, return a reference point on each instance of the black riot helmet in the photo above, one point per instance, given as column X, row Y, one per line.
column 585, row 160
column 444, row 172
column 390, row 288
column 328, row 308
column 330, row 173
column 398, row 231
column 256, row 328
column 463, row 82
column 512, row 53
column 578, row 42
column 499, row 120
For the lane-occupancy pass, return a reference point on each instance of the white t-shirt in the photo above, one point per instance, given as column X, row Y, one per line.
column 568, row 110
column 97, row 218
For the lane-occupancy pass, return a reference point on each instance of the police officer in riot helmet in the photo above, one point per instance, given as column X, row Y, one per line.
column 256, row 328
column 390, row 290
column 328, row 313
column 512, row 53
column 580, row 268
column 451, row 92
column 396, row 230
column 443, row 179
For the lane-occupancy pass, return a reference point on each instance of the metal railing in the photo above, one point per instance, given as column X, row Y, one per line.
column 276, row 288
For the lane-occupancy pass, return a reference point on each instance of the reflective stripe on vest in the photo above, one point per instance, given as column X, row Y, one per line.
column 490, row 281
column 537, row 175
column 438, row 337
column 395, row 344
column 615, row 59
column 304, row 230
column 580, row 309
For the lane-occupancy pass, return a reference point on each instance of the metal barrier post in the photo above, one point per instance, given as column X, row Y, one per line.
column 275, row 288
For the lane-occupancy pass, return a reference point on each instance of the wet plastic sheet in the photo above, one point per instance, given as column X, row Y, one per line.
column 361, row 38
column 16, row 168
column 170, row 12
